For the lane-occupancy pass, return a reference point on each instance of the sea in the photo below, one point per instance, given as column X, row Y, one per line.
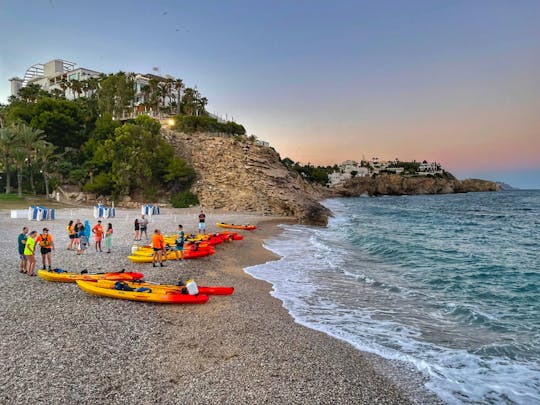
column 447, row 283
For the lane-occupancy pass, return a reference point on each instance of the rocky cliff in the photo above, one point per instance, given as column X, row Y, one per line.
column 237, row 174
column 392, row 184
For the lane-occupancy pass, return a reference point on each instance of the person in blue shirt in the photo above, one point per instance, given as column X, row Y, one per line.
column 21, row 244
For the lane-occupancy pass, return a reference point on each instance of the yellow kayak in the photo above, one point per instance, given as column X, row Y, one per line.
column 63, row 276
column 207, row 290
column 247, row 227
column 188, row 254
column 144, row 294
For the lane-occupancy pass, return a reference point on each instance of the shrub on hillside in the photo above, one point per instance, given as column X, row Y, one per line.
column 184, row 199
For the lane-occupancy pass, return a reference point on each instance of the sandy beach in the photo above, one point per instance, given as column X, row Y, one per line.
column 61, row 345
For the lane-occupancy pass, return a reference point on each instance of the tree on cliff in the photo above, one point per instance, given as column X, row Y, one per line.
column 137, row 157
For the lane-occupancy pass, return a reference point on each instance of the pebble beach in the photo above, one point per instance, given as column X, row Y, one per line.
column 59, row 345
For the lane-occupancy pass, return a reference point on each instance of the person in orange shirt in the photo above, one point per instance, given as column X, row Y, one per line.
column 97, row 230
column 158, row 244
column 46, row 244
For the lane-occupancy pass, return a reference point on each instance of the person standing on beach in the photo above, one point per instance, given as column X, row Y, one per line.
column 29, row 253
column 143, row 223
column 21, row 244
column 158, row 244
column 46, row 243
column 136, row 235
column 97, row 230
column 72, row 235
column 80, row 239
column 108, row 238
column 179, row 243
column 202, row 222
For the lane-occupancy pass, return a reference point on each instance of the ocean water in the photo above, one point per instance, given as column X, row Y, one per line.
column 449, row 283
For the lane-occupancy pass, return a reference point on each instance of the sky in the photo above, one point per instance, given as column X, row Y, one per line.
column 455, row 82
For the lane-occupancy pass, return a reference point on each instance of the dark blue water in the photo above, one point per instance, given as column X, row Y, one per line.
column 449, row 283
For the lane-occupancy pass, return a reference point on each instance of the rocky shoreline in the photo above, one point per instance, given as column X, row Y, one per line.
column 60, row 345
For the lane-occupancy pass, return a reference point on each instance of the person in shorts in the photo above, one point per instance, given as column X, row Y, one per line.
column 158, row 245
column 98, row 232
column 21, row 242
column 202, row 222
column 136, row 235
column 29, row 253
column 70, row 228
column 46, row 244
column 179, row 243
column 143, row 224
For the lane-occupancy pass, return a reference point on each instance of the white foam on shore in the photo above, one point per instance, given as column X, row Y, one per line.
column 312, row 282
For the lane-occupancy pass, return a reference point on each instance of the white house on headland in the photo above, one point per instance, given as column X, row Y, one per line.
column 52, row 75
column 346, row 170
column 426, row 168
column 375, row 166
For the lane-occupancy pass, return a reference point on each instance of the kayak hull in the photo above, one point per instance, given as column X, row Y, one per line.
column 189, row 254
column 248, row 227
column 161, row 297
column 206, row 290
column 67, row 277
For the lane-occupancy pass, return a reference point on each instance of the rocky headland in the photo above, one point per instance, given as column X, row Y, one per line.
column 393, row 184
column 239, row 174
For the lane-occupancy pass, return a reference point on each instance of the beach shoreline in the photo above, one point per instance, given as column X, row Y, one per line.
column 60, row 345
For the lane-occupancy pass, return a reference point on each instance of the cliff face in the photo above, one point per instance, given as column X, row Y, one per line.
column 392, row 184
column 239, row 175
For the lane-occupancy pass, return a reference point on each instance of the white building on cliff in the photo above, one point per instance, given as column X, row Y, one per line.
column 346, row 170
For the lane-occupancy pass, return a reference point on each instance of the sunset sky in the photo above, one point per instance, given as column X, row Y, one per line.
column 323, row 81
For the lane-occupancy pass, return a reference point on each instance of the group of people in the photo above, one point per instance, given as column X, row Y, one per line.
column 159, row 247
column 78, row 240
column 27, row 243
column 141, row 227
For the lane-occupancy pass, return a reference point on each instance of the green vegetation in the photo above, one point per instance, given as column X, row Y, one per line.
column 313, row 174
column 184, row 199
column 203, row 123
column 93, row 141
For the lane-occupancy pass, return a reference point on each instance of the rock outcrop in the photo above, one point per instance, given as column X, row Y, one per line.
column 392, row 184
column 237, row 174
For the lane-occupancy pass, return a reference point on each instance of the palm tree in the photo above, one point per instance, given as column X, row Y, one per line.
column 188, row 101
column 64, row 86
column 148, row 100
column 153, row 83
column 28, row 138
column 19, row 156
column 45, row 151
column 76, row 87
column 201, row 104
column 7, row 144
column 178, row 85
